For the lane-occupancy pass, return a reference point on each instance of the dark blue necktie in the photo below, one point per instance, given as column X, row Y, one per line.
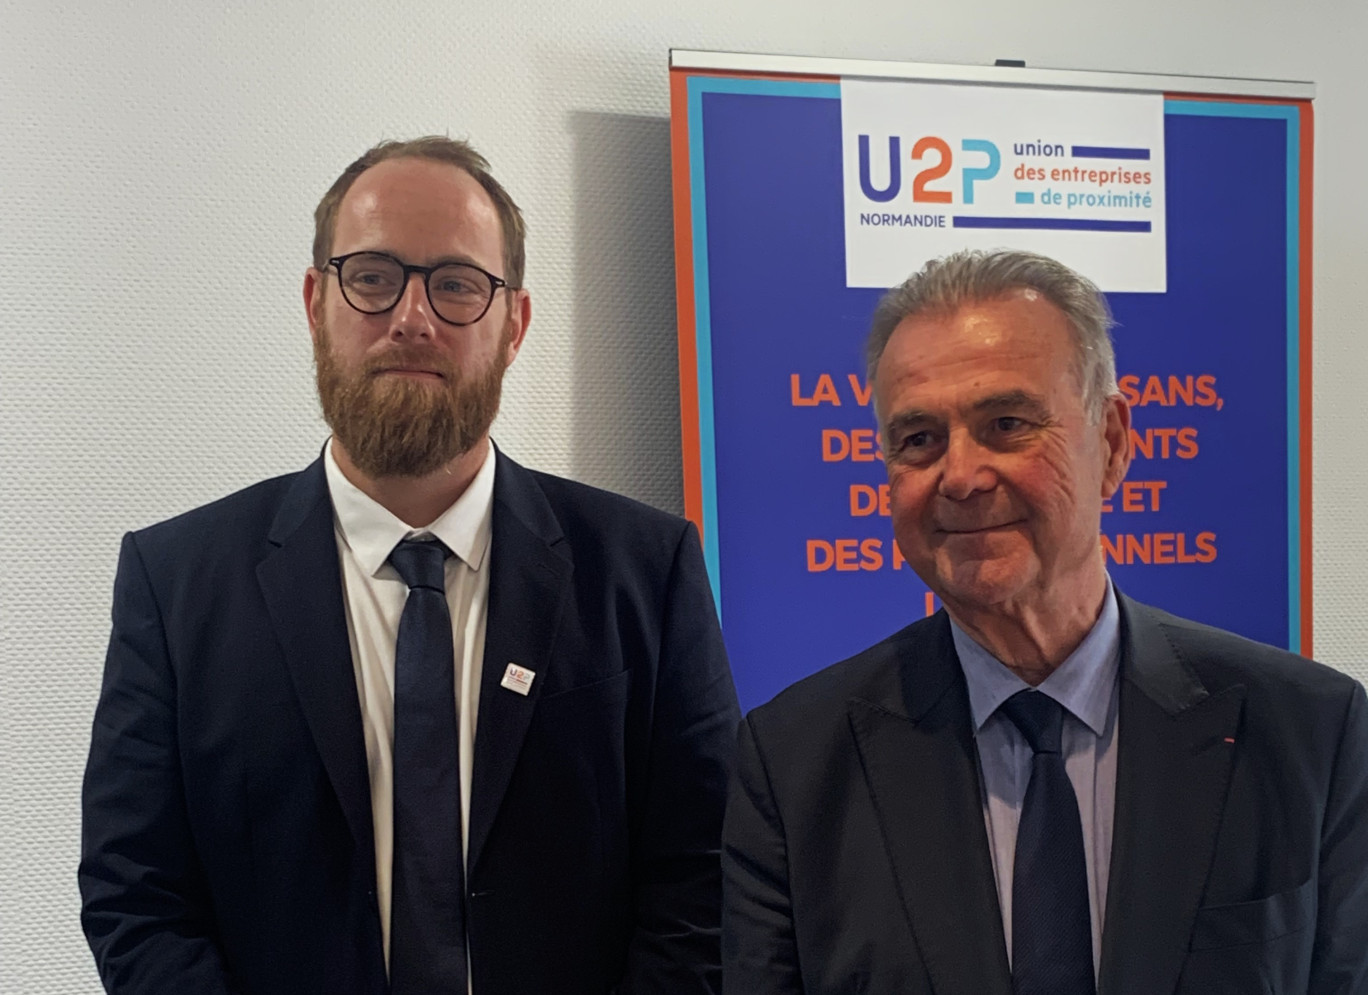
column 1051, row 930
column 427, row 910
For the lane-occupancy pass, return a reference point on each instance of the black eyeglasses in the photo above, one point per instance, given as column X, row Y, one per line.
column 373, row 283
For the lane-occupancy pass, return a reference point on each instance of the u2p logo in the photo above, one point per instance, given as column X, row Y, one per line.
column 929, row 185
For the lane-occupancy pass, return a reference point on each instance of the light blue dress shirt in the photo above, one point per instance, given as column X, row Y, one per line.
column 1086, row 684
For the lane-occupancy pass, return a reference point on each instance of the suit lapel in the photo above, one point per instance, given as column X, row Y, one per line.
column 529, row 576
column 301, row 581
column 916, row 745
column 1175, row 756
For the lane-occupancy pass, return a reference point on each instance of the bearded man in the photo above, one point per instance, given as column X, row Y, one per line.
column 415, row 720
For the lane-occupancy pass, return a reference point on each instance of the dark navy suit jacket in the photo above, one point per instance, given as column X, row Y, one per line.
column 855, row 857
column 227, row 842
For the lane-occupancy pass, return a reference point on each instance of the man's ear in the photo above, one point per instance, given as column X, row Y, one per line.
column 313, row 300
column 519, row 317
column 1116, row 423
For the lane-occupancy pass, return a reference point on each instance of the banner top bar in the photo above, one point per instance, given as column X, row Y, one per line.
column 991, row 75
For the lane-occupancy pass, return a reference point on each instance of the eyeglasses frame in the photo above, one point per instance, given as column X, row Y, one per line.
column 496, row 284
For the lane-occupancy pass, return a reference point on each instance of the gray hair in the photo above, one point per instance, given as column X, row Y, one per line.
column 971, row 276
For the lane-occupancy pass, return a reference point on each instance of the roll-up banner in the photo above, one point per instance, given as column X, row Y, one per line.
column 804, row 188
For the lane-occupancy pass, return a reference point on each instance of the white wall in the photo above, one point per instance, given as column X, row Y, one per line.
column 158, row 167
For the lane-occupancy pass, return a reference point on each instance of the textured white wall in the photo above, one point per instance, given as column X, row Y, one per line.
column 158, row 166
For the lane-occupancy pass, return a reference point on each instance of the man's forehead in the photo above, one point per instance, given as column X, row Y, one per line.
column 422, row 176
column 1017, row 345
column 417, row 198
column 977, row 391
column 1000, row 332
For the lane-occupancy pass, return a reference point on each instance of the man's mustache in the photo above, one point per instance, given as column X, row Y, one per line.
column 404, row 358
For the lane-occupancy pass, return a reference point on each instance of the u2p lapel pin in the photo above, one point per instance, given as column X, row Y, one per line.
column 517, row 679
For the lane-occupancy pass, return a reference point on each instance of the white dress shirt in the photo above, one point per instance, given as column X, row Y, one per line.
column 374, row 594
column 1087, row 685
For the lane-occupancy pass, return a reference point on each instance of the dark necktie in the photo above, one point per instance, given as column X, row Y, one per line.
column 1051, row 930
column 427, row 910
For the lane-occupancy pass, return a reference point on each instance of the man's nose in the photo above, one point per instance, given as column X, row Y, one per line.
column 966, row 467
column 412, row 316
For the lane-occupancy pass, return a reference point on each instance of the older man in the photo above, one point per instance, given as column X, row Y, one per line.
column 1046, row 787
column 416, row 720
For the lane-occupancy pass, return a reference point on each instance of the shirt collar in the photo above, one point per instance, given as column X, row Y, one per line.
column 371, row 531
column 1082, row 683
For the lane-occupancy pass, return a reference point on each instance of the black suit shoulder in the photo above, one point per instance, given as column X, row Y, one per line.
column 591, row 514
column 628, row 560
column 820, row 701
column 1222, row 659
column 235, row 520
column 1295, row 713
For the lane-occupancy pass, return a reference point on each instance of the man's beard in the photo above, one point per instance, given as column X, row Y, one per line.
column 394, row 426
